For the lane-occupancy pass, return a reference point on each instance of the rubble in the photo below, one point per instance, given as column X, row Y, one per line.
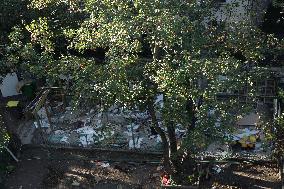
column 75, row 183
column 136, row 143
column 43, row 124
column 102, row 164
column 42, row 119
column 117, row 128
column 86, row 135
column 217, row 168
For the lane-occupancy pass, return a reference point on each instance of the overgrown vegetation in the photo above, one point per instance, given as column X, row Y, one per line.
column 129, row 52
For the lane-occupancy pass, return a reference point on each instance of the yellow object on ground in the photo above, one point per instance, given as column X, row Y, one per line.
column 252, row 139
column 250, row 145
column 243, row 143
column 12, row 104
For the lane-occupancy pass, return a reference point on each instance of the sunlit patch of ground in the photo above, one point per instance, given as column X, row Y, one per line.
column 247, row 176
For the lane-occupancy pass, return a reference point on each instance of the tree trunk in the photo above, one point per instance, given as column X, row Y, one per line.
column 191, row 113
column 165, row 144
column 172, row 137
column 175, row 159
column 157, row 51
column 169, row 146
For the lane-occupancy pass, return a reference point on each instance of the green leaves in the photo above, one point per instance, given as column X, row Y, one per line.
column 278, row 3
column 4, row 137
column 148, row 48
column 40, row 33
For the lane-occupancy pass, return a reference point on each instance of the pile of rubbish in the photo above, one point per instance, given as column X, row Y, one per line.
column 115, row 128
column 121, row 128
column 248, row 138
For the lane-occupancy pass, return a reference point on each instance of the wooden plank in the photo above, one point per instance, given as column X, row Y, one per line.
column 40, row 102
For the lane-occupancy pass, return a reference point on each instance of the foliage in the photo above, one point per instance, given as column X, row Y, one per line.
column 278, row 3
column 4, row 137
column 12, row 13
column 148, row 48
column 276, row 136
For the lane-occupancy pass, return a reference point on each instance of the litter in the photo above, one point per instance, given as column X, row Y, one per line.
column 160, row 100
column 102, row 164
column 43, row 124
column 75, row 183
column 12, row 104
column 217, row 169
column 138, row 142
column 58, row 132
column 64, row 139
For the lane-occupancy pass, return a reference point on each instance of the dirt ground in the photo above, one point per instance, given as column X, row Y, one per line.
column 41, row 169
column 64, row 169
column 246, row 176
column 47, row 169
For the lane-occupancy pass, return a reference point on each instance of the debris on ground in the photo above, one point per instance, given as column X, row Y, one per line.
column 75, row 183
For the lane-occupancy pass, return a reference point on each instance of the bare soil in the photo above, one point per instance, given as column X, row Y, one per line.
column 47, row 169
column 42, row 169
column 60, row 169
column 246, row 176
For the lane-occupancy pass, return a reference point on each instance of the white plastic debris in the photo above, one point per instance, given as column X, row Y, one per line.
column 86, row 135
column 57, row 132
column 160, row 100
column 130, row 129
column 217, row 124
column 158, row 139
column 85, row 140
column 245, row 133
column 211, row 111
column 86, row 130
column 43, row 123
column 105, row 165
column 43, row 120
column 138, row 142
column 134, row 127
column 152, row 136
column 258, row 147
column 64, row 139
column 42, row 113
column 139, row 115
column 180, row 131
column 217, row 169
column 131, row 144
column 75, row 183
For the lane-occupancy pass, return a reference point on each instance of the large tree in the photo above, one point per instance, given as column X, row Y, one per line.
column 129, row 52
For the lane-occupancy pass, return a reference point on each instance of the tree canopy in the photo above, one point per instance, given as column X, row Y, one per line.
column 129, row 52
